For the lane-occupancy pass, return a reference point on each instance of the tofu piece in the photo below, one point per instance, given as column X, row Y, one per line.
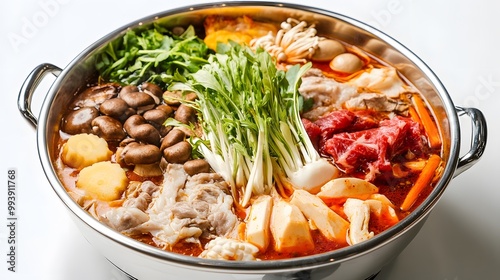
column 329, row 223
column 347, row 188
column 290, row 229
column 257, row 228
column 358, row 213
column 383, row 199
column 383, row 208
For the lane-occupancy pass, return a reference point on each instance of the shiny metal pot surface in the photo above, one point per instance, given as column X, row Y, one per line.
column 361, row 261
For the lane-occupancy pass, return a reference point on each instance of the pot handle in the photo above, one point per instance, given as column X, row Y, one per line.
column 478, row 139
column 29, row 86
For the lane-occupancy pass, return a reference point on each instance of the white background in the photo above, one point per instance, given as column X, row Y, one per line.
column 459, row 40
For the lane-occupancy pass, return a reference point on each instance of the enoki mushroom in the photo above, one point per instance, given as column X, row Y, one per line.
column 294, row 42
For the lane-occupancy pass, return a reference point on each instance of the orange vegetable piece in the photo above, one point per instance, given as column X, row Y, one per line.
column 427, row 121
column 423, row 181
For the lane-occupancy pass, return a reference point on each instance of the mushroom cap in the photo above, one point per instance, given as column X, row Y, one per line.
column 137, row 99
column 196, row 166
column 173, row 137
column 127, row 89
column 138, row 153
column 137, row 127
column 166, row 108
column 153, row 90
column 133, row 121
column 185, row 114
column 156, row 117
column 146, row 133
column 96, row 95
column 114, row 107
column 108, row 128
column 79, row 121
column 178, row 153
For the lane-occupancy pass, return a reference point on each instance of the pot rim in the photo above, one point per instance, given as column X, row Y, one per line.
column 299, row 263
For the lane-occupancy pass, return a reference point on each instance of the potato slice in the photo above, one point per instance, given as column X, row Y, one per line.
column 103, row 180
column 83, row 150
column 347, row 188
column 290, row 229
column 257, row 228
column 329, row 223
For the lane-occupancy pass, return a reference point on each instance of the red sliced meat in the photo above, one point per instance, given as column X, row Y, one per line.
column 313, row 131
column 340, row 121
column 371, row 150
column 335, row 122
column 365, row 119
column 345, row 121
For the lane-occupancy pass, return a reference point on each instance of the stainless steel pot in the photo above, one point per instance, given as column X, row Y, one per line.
column 361, row 261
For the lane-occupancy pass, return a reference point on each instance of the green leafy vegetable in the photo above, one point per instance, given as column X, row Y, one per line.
column 249, row 110
column 154, row 55
column 253, row 133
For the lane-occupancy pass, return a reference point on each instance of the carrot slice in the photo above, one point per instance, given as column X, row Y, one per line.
column 422, row 181
column 414, row 115
column 427, row 122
